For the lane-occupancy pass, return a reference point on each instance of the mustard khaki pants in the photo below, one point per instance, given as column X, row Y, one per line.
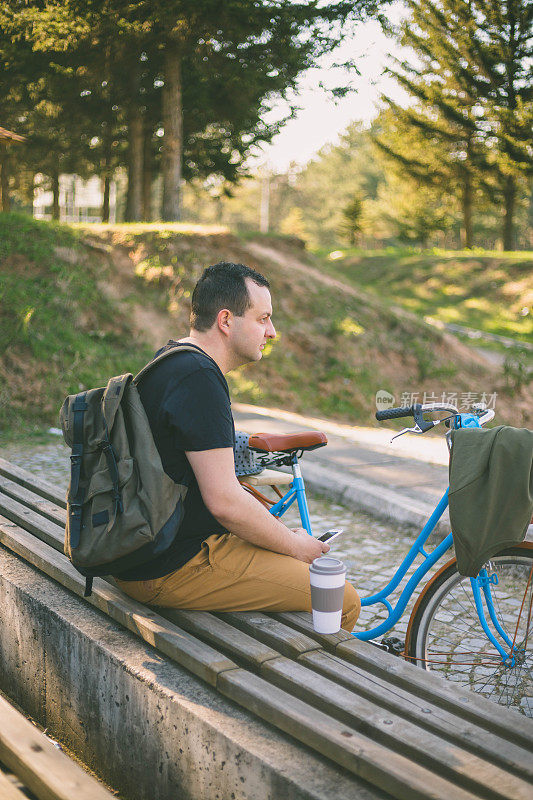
column 230, row 574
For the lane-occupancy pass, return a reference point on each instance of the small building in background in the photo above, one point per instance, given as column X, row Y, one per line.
column 79, row 200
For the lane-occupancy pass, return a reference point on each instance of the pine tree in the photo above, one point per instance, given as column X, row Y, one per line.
column 444, row 115
column 253, row 49
column 217, row 65
column 473, row 99
column 497, row 45
column 329, row 182
column 350, row 226
column 40, row 100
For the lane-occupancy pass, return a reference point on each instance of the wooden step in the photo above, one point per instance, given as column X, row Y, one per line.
column 26, row 479
column 40, row 767
column 402, row 729
column 333, row 731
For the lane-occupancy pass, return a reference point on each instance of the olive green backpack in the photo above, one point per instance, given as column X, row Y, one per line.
column 122, row 508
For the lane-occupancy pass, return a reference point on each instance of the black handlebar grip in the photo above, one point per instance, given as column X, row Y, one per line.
column 394, row 413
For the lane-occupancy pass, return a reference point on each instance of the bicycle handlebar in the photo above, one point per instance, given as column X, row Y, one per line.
column 419, row 408
column 394, row 413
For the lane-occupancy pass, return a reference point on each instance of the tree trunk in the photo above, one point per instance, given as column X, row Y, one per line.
column 107, row 173
column 135, row 166
column 466, row 203
column 509, row 199
column 147, row 174
column 264, row 210
column 4, row 180
column 30, row 191
column 55, row 193
column 173, row 140
column 105, row 204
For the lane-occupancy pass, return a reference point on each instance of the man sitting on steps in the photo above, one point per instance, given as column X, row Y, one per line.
column 230, row 553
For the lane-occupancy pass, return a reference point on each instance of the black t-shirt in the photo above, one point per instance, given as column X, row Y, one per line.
column 186, row 399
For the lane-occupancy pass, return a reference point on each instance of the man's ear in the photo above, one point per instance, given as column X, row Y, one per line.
column 224, row 320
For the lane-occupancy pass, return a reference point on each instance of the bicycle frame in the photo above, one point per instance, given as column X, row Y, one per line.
column 481, row 584
column 429, row 560
column 296, row 492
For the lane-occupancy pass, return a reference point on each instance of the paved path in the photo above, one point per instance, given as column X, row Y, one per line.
column 401, row 481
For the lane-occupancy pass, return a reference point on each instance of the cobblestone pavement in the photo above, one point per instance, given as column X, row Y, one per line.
column 370, row 548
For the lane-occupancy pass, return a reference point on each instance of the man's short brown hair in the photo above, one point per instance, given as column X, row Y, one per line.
column 222, row 285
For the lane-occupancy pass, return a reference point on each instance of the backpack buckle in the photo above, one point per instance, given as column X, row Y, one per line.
column 76, row 453
column 119, row 505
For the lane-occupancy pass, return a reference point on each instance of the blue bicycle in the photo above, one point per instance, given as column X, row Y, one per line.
column 475, row 631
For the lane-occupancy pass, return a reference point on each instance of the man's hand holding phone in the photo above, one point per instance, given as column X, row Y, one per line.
column 329, row 536
column 307, row 548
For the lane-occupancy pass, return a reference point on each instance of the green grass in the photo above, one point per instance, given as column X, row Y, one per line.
column 58, row 332
column 475, row 289
column 61, row 330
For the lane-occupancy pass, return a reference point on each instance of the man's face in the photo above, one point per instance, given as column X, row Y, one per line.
column 252, row 331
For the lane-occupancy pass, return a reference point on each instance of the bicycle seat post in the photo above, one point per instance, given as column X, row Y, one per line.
column 299, row 488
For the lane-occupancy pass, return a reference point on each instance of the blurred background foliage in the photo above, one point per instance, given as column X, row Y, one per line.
column 170, row 99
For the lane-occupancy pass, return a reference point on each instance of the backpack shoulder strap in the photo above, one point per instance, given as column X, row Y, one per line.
column 118, row 385
column 76, row 491
column 170, row 352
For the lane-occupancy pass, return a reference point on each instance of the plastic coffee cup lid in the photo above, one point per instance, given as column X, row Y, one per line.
column 327, row 565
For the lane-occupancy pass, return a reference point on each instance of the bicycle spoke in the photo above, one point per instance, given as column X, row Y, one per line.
column 452, row 643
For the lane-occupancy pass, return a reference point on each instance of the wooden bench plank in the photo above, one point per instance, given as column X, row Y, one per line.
column 426, row 747
column 302, row 622
column 33, row 522
column 379, row 690
column 9, row 790
column 283, row 638
column 33, row 501
column 219, row 634
column 393, row 773
column 29, row 481
column 253, row 692
column 507, row 724
column 187, row 651
column 44, row 769
column 408, row 704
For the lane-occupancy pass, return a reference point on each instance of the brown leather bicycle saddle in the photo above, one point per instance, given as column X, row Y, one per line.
column 287, row 442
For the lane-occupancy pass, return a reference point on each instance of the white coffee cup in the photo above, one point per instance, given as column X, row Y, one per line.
column 328, row 577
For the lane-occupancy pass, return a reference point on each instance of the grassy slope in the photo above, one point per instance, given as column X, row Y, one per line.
column 58, row 332
column 78, row 305
column 488, row 292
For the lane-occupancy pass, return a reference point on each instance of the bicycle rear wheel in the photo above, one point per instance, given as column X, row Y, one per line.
column 445, row 634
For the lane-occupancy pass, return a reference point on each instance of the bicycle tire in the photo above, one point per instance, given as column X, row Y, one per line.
column 445, row 636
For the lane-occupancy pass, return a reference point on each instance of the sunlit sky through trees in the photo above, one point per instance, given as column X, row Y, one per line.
column 322, row 118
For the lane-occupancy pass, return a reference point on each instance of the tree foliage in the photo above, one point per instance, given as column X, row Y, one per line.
column 202, row 72
column 350, row 226
column 396, row 208
column 472, row 99
column 331, row 180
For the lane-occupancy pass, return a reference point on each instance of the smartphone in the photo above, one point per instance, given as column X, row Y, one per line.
column 328, row 536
